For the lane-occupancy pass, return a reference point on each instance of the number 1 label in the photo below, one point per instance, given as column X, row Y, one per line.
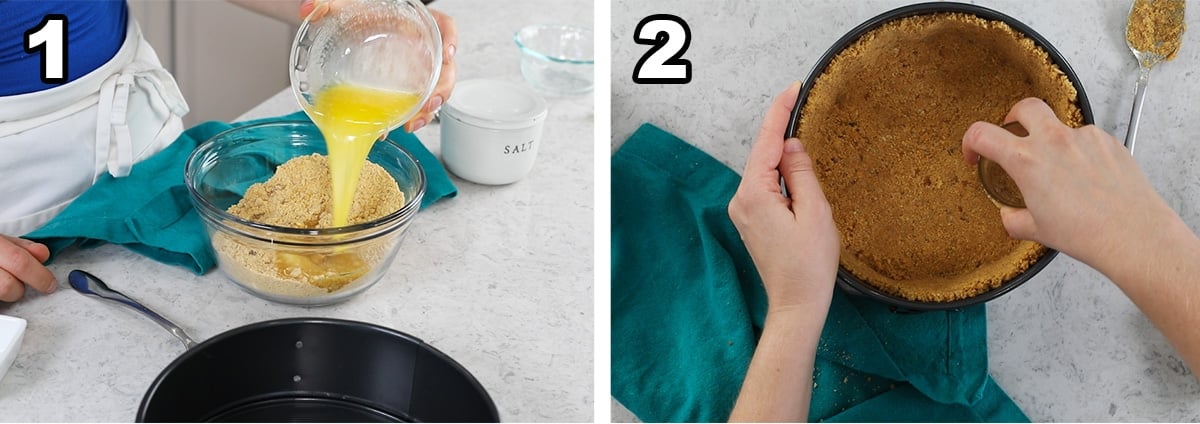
column 50, row 39
column 662, row 64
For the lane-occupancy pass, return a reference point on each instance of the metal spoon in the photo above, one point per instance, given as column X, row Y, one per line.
column 89, row 285
column 1146, row 60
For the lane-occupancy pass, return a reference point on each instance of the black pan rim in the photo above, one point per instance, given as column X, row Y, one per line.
column 853, row 284
column 257, row 326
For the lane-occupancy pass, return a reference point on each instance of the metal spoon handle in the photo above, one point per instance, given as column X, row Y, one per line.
column 1139, row 95
column 88, row 284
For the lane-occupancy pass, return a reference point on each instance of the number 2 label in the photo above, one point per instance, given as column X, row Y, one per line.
column 50, row 39
column 662, row 64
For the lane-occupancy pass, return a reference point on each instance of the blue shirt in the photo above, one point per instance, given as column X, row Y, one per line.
column 95, row 31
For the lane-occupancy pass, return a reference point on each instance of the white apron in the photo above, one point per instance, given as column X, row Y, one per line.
column 55, row 143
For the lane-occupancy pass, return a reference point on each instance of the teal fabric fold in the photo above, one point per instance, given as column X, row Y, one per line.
column 149, row 211
column 688, row 306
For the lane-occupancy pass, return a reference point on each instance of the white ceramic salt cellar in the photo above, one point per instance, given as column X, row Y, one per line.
column 491, row 130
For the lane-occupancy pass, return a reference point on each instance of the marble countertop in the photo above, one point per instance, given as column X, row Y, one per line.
column 500, row 278
column 1067, row 345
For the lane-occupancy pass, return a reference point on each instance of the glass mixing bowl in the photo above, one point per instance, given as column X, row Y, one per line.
column 390, row 45
column 278, row 263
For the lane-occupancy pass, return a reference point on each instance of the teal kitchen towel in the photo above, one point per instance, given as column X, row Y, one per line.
column 688, row 306
column 149, row 210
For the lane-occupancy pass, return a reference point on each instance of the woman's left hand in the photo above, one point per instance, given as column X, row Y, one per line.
column 792, row 238
column 446, row 79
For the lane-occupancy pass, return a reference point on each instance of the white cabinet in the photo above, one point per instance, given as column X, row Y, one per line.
column 226, row 59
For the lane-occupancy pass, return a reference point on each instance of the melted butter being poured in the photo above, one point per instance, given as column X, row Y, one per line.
column 351, row 117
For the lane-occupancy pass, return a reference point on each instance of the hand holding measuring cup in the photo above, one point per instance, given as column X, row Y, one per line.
column 1085, row 195
column 394, row 45
column 359, row 69
column 448, row 75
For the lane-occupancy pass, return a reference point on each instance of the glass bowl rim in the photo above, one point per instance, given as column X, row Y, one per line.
column 525, row 48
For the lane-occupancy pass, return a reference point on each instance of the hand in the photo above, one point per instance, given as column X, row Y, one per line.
column 793, row 241
column 795, row 247
column 446, row 79
column 20, row 266
column 1085, row 194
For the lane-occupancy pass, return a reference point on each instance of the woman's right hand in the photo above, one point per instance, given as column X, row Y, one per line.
column 20, row 266
column 1085, row 194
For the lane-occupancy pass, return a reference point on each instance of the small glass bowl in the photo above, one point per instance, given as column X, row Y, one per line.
column 557, row 59
column 274, row 262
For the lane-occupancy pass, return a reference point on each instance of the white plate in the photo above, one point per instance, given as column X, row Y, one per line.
column 11, row 330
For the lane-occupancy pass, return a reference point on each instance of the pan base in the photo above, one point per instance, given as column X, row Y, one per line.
column 304, row 409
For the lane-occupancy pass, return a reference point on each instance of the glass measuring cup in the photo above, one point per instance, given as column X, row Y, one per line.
column 998, row 185
column 361, row 68
column 389, row 45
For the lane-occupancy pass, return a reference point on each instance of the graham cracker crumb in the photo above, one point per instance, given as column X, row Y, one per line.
column 1156, row 26
column 297, row 196
column 884, row 125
